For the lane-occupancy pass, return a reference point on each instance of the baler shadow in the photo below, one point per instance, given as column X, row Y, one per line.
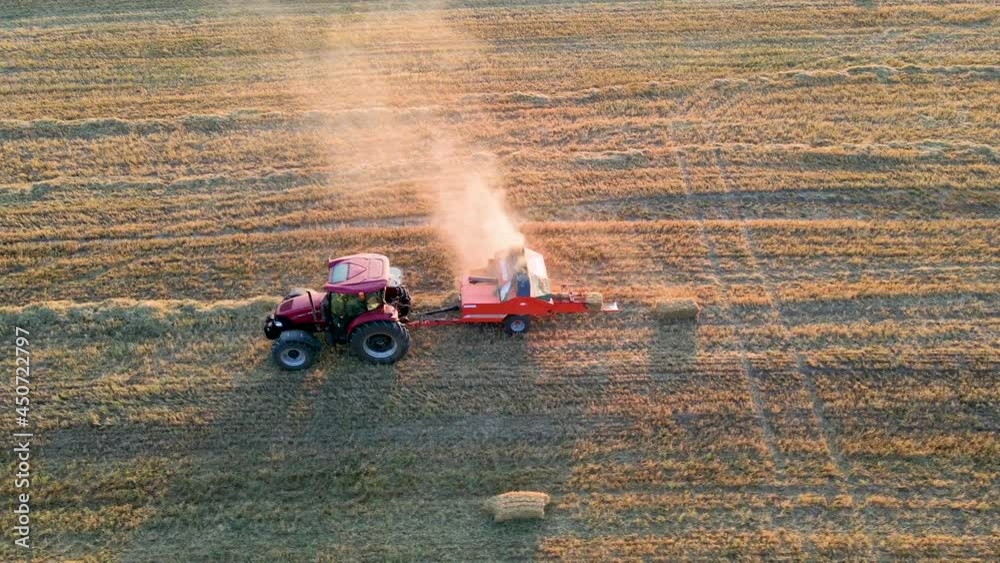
column 673, row 372
column 458, row 423
column 626, row 427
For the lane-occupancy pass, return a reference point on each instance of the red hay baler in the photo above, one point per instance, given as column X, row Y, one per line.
column 365, row 305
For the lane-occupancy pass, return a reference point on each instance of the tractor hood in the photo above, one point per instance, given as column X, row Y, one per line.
column 301, row 308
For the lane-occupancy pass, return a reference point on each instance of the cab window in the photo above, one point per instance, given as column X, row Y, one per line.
column 339, row 272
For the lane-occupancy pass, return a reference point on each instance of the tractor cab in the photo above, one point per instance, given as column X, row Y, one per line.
column 364, row 282
column 367, row 274
column 358, row 273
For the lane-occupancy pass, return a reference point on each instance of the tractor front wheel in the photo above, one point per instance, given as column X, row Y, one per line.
column 295, row 350
column 516, row 324
column 380, row 342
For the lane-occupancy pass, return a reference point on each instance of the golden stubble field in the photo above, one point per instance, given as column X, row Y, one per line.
column 821, row 175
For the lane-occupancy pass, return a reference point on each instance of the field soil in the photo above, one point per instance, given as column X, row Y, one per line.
column 821, row 176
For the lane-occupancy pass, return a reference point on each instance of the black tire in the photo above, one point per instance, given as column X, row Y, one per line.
column 296, row 291
column 380, row 342
column 271, row 332
column 295, row 350
column 516, row 324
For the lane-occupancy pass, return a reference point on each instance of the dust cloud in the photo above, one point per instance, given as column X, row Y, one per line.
column 393, row 118
column 471, row 211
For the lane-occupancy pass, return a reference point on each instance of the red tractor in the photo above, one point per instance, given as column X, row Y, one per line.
column 366, row 306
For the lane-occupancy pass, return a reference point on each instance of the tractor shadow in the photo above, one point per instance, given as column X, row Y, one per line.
column 633, row 427
column 251, row 476
column 350, row 460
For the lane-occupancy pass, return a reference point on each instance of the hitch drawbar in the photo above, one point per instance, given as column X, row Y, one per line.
column 437, row 311
column 423, row 321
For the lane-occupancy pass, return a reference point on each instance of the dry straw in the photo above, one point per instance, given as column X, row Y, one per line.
column 594, row 300
column 517, row 505
column 677, row 308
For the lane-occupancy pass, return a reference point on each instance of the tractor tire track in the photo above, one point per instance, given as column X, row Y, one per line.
column 753, row 388
column 732, row 209
column 824, row 426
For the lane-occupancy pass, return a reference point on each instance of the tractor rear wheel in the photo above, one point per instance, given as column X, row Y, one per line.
column 516, row 324
column 380, row 342
column 295, row 350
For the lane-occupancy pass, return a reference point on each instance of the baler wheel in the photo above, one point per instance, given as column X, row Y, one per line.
column 295, row 350
column 516, row 324
column 380, row 342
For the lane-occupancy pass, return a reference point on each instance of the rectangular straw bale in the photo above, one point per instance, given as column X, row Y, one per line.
column 677, row 308
column 517, row 505
column 594, row 300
